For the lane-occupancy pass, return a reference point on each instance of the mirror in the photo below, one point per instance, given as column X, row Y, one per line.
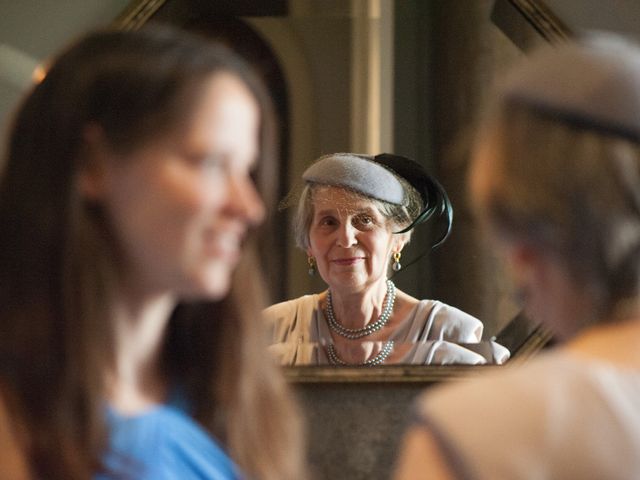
column 371, row 76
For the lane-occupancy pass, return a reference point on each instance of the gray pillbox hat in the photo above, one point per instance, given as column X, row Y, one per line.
column 593, row 83
column 356, row 172
column 379, row 177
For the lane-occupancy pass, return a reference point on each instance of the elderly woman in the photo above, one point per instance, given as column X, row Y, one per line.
column 355, row 215
column 556, row 176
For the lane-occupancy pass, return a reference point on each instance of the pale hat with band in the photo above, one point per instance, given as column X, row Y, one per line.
column 359, row 173
column 592, row 83
column 378, row 177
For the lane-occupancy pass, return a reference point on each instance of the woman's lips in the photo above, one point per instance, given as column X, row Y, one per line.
column 223, row 245
column 347, row 261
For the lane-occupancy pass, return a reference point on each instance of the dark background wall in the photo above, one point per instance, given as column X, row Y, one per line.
column 447, row 56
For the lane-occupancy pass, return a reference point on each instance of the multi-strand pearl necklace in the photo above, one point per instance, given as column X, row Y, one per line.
column 379, row 359
column 355, row 333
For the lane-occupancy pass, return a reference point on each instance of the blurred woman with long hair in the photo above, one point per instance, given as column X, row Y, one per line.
column 127, row 202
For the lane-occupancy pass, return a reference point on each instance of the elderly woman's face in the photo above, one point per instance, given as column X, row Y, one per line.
column 350, row 239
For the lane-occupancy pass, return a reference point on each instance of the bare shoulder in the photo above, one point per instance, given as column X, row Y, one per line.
column 13, row 463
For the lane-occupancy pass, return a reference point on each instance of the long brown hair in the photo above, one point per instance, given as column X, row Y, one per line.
column 57, row 264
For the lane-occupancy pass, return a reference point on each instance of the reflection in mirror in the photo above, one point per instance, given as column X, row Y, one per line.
column 353, row 218
column 325, row 55
column 370, row 354
column 371, row 76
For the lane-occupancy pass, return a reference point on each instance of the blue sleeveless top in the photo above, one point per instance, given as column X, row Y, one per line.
column 164, row 443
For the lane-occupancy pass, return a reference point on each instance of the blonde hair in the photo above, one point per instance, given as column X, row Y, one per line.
column 571, row 191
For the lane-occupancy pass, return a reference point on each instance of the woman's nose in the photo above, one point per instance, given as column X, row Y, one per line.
column 245, row 200
column 347, row 235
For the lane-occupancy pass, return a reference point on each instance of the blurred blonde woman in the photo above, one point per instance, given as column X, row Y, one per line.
column 556, row 178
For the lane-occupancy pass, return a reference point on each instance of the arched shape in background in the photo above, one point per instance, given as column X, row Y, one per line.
column 222, row 22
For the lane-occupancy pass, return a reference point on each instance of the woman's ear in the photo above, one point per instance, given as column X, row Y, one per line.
column 399, row 242
column 93, row 161
column 522, row 261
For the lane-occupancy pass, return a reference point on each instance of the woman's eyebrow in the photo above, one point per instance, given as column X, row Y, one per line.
column 366, row 209
column 326, row 211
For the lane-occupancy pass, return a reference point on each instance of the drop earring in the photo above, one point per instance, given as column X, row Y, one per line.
column 312, row 266
column 396, row 262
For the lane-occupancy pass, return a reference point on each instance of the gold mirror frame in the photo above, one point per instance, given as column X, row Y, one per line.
column 537, row 23
column 409, row 373
column 138, row 13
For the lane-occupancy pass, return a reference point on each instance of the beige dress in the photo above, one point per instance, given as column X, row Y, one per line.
column 299, row 334
column 558, row 417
